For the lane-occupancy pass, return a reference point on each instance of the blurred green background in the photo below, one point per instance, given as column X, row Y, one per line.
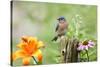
column 40, row 20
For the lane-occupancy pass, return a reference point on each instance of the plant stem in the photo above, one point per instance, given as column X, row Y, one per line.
column 34, row 59
column 87, row 55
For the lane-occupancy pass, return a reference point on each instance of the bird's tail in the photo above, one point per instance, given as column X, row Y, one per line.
column 55, row 38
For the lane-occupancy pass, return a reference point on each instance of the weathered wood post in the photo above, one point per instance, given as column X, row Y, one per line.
column 69, row 51
column 62, row 47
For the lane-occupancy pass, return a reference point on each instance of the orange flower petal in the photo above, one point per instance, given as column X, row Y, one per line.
column 26, row 60
column 40, row 57
column 38, row 54
column 33, row 39
column 18, row 54
column 20, row 45
column 24, row 47
column 33, row 44
column 40, row 44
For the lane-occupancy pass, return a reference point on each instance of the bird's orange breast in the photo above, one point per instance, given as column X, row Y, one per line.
column 62, row 26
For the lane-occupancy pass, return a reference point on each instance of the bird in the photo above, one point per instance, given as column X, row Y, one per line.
column 61, row 28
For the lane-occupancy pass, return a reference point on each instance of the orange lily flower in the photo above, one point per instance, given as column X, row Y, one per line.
column 29, row 47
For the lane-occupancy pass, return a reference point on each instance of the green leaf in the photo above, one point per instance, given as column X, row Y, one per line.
column 39, row 63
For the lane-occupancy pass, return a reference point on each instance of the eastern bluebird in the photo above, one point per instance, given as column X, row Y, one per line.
column 61, row 28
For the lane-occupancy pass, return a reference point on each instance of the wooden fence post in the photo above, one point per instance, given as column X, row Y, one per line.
column 69, row 51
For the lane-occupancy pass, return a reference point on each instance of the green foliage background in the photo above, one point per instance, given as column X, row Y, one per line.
column 40, row 19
